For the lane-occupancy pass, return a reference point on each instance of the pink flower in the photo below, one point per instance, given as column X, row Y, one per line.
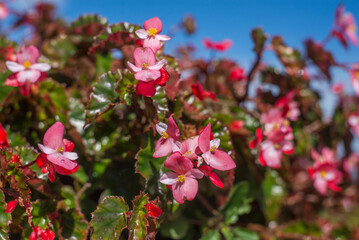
column 3, row 137
column 211, row 155
column 168, row 142
column 271, row 152
column 351, row 166
column 189, row 148
column 57, row 153
column 289, row 107
column 148, row 89
column 146, row 68
column 26, row 70
column 337, row 88
column 40, row 234
column 218, row 46
column 326, row 175
column 257, row 140
column 183, row 178
column 353, row 122
column 4, row 10
column 237, row 74
column 150, row 34
column 345, row 26
column 354, row 77
column 198, row 92
column 213, row 177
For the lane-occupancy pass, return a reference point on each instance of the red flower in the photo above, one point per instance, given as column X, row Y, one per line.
column 148, row 89
column 3, row 137
column 198, row 92
column 10, row 206
column 237, row 74
column 153, row 210
column 218, row 46
column 40, row 234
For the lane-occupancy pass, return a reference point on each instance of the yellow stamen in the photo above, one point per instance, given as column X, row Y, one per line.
column 60, row 149
column 164, row 135
column 277, row 146
column 323, row 174
column 181, row 178
column 275, row 125
column 356, row 74
column 286, row 122
column 152, row 32
column 213, row 149
column 27, row 64
column 145, row 65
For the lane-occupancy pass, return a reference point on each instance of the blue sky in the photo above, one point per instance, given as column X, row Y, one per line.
column 234, row 19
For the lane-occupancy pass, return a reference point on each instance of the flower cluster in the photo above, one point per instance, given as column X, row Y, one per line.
column 324, row 171
column 26, row 70
column 344, row 27
column 188, row 158
column 277, row 131
column 148, row 71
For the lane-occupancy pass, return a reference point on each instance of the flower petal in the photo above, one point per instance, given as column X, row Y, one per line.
column 158, row 65
column 155, row 23
column 70, row 155
column 219, row 160
column 14, row 66
column 169, row 178
column 42, row 67
column 178, row 163
column 133, row 67
column 144, row 56
column 28, row 75
column 62, row 161
column 54, row 136
column 186, row 190
column 147, row 75
column 147, row 89
column 163, row 37
column 30, row 54
column 163, row 148
column 195, row 173
column 142, row 33
column 204, row 139
column 45, row 149
column 173, row 130
column 161, row 127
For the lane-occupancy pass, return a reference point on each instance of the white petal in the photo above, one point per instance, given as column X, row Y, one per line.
column 28, row 75
column 161, row 127
column 70, row 155
column 169, row 178
column 14, row 67
column 46, row 150
column 142, row 33
column 42, row 67
column 194, row 173
column 163, row 37
column 158, row 65
column 133, row 67
column 215, row 142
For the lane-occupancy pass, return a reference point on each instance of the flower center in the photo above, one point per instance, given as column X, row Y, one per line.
column 277, row 146
column 352, row 28
column 213, row 149
column 152, row 32
column 187, row 153
column 145, row 65
column 286, row 122
column 60, row 149
column 323, row 174
column 27, row 64
column 356, row 74
column 164, row 135
column 181, row 178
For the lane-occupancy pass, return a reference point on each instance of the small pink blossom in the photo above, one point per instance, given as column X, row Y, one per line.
column 288, row 106
column 189, row 148
column 4, row 10
column 26, row 70
column 218, row 46
column 168, row 142
column 146, row 68
column 337, row 88
column 57, row 153
column 151, row 34
column 257, row 140
column 351, row 166
column 211, row 155
column 345, row 26
column 183, row 178
column 237, row 74
column 353, row 122
column 271, row 152
column 354, row 77
column 40, row 234
column 201, row 94
column 148, row 89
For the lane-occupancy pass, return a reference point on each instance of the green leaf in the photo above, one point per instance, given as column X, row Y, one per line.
column 138, row 222
column 4, row 90
column 75, row 226
column 103, row 63
column 289, row 57
column 103, row 96
column 115, row 36
column 109, row 218
column 211, row 235
column 259, row 39
column 59, row 50
column 244, row 234
column 5, row 218
column 238, row 203
column 126, row 86
column 176, row 229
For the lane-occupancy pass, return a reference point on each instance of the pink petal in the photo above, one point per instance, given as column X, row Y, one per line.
column 12, row 80
column 60, row 160
column 153, row 43
column 204, row 139
column 42, row 67
column 178, row 163
column 186, row 190
column 141, row 33
column 70, row 155
column 147, row 89
column 219, row 160
column 64, row 171
column 271, row 155
column 14, row 67
column 215, row 179
column 46, row 150
column 172, row 129
column 169, row 178
column 30, row 54
column 54, row 136
column 158, row 65
column 321, row 185
column 354, row 81
column 176, row 145
column 189, row 146
column 133, row 67
column 163, row 37
column 147, row 75
column 155, row 23
column 28, row 75
column 163, row 148
column 194, row 173
column 144, row 56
